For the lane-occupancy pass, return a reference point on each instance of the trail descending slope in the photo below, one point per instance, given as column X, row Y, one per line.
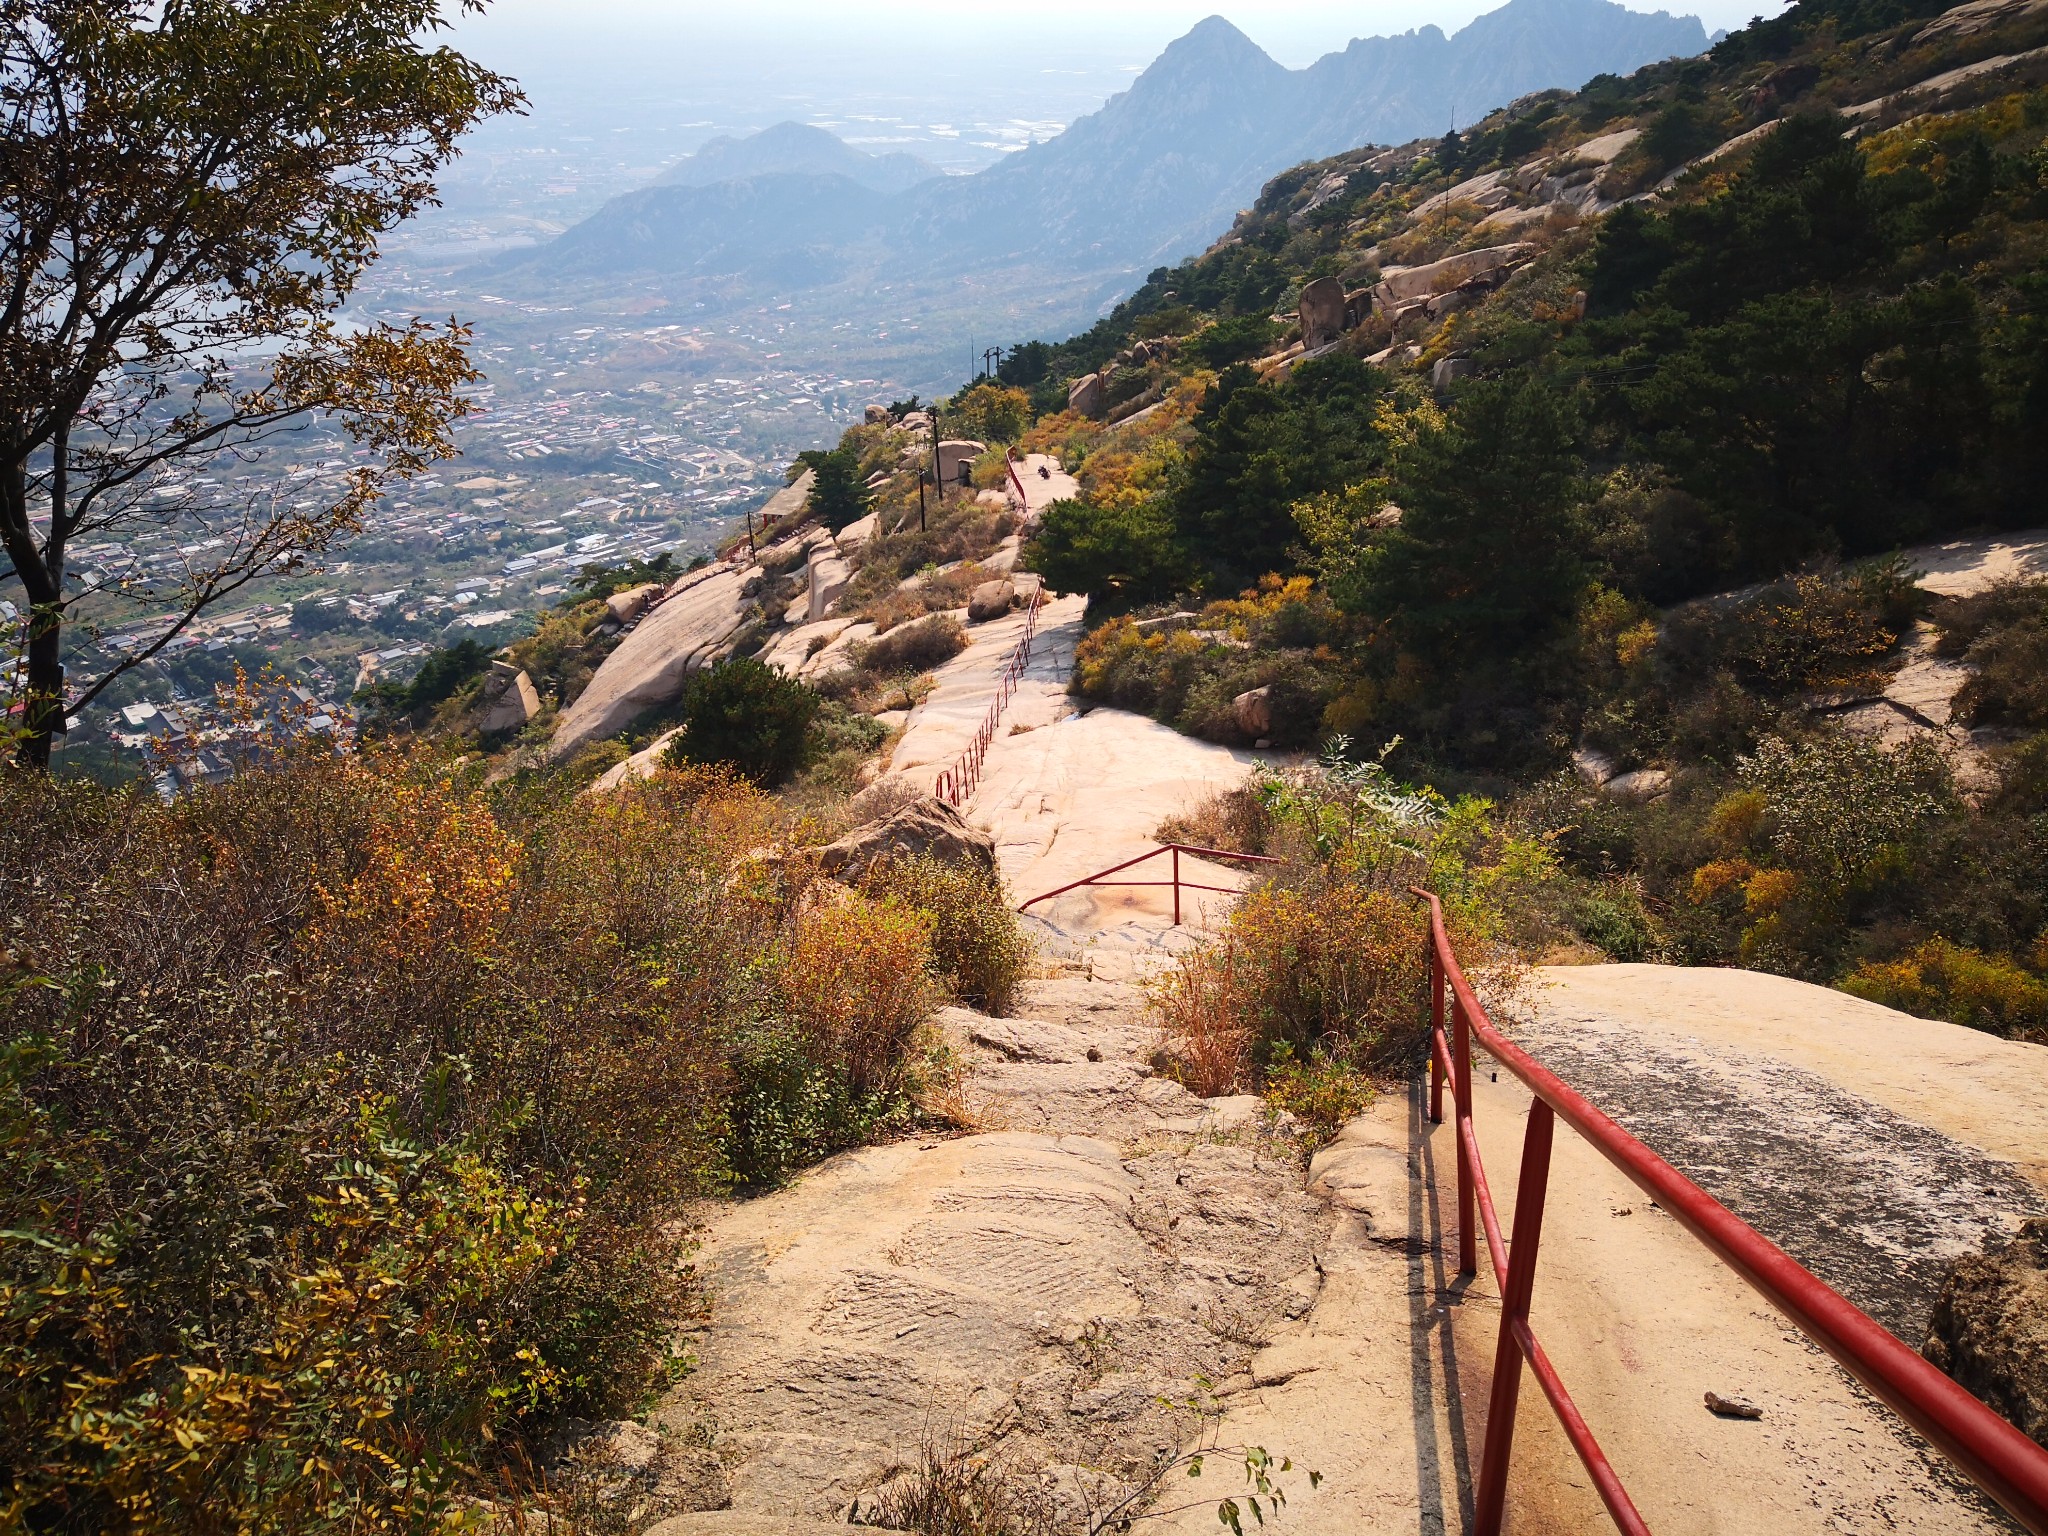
column 1036, row 1291
column 1068, row 792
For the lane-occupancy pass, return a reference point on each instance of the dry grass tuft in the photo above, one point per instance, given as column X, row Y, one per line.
column 1234, row 820
column 957, row 1490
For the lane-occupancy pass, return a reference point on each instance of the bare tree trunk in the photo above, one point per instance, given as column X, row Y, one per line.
column 44, row 695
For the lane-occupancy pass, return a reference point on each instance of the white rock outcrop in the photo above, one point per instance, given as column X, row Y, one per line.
column 829, row 574
column 692, row 627
column 517, row 702
column 625, row 607
column 1399, row 285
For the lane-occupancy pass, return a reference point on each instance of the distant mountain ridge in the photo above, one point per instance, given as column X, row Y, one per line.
column 797, row 149
column 1163, row 167
column 1153, row 176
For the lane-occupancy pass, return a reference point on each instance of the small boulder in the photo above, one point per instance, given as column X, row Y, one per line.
column 878, row 416
column 1644, row 784
column 990, row 600
column 956, row 461
column 1323, row 308
column 1085, row 397
column 1253, row 712
column 627, row 606
column 855, row 534
column 1990, row 1327
column 517, row 703
column 1448, row 371
column 1594, row 766
column 927, row 826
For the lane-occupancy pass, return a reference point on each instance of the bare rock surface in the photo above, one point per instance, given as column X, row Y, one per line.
column 1037, row 1292
column 1990, row 1327
column 1382, row 1382
column 1876, row 1204
column 688, row 629
column 644, row 764
column 1044, row 484
column 828, row 575
column 626, row 606
column 516, row 702
column 1067, row 794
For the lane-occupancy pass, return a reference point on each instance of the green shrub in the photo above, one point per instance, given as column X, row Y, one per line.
column 1125, row 551
column 1612, row 919
column 744, row 713
column 342, row 1363
column 1823, row 628
column 1323, row 1092
column 1842, row 813
column 1322, row 962
column 977, row 946
column 1236, row 340
column 2003, row 634
column 790, row 1109
column 839, row 496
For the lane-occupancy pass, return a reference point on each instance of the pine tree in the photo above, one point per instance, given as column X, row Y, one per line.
column 838, row 496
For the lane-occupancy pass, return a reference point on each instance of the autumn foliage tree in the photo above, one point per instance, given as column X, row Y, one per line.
column 193, row 189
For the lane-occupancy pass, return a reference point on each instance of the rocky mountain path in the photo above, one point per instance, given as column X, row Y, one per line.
column 1042, row 1290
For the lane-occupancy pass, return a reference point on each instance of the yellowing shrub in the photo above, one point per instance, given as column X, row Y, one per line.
column 978, row 949
column 1942, row 980
column 1335, row 969
column 859, row 982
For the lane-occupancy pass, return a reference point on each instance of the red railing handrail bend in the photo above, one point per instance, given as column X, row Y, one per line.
column 1101, row 877
column 1995, row 1455
column 1010, row 463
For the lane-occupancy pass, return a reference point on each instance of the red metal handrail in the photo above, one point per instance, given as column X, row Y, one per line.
column 1017, row 480
column 1991, row 1452
column 1176, row 849
column 959, row 782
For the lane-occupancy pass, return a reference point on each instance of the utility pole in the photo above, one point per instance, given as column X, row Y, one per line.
column 938, row 480
column 920, row 498
column 989, row 359
column 751, row 551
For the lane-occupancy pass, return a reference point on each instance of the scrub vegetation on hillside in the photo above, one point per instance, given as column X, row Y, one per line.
column 355, row 1112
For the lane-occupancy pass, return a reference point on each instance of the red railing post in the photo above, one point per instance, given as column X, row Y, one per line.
column 1461, row 1064
column 1436, row 1029
column 1176, row 885
column 1490, row 1502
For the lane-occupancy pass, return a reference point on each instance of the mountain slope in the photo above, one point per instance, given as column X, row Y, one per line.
column 786, row 230
column 1160, row 168
column 797, row 149
column 1163, row 166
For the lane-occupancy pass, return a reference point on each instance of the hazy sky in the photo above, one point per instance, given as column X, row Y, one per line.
column 1294, row 31
column 626, row 86
column 961, row 37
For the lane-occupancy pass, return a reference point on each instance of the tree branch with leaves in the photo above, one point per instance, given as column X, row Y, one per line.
column 193, row 190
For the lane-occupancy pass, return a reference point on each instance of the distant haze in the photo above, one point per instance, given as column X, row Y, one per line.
column 614, row 64
column 972, row 34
